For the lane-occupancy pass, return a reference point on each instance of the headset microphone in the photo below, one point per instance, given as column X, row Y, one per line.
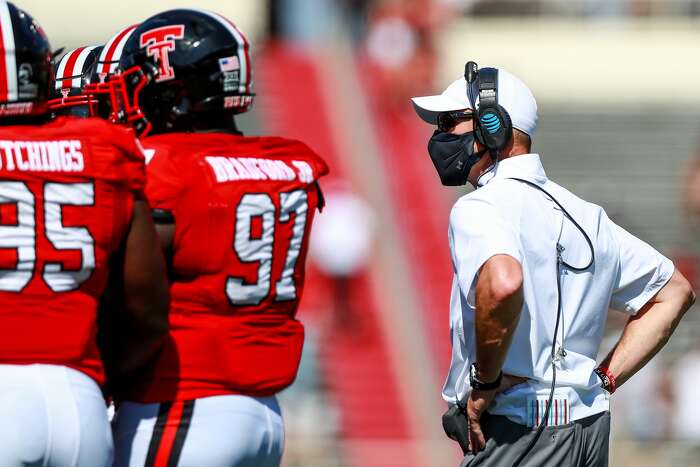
column 471, row 69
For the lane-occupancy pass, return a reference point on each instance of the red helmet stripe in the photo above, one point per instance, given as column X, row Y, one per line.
column 61, row 71
column 109, row 53
column 79, row 68
column 69, row 70
column 8, row 64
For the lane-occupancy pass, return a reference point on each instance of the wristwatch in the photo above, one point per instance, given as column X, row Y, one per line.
column 475, row 383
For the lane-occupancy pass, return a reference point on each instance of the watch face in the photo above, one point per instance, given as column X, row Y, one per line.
column 473, row 381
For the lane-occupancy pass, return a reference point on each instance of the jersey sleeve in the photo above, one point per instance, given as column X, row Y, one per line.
column 643, row 272
column 319, row 166
column 309, row 165
column 126, row 165
column 135, row 165
column 478, row 232
column 163, row 185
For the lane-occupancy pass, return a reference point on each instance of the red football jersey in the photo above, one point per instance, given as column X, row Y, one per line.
column 243, row 208
column 66, row 200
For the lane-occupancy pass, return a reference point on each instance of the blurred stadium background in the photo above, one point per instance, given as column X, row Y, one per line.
column 618, row 84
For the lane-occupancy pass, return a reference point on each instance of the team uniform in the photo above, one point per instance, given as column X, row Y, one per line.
column 66, row 199
column 243, row 208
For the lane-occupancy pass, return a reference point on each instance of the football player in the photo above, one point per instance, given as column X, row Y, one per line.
column 71, row 214
column 74, row 71
column 234, row 215
column 82, row 67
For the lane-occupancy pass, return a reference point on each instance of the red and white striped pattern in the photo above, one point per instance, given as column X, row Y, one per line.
column 246, row 72
column 8, row 63
column 70, row 69
column 559, row 413
column 109, row 58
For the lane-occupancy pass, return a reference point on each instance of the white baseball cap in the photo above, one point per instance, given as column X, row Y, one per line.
column 513, row 95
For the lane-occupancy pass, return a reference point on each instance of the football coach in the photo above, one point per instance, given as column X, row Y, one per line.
column 536, row 270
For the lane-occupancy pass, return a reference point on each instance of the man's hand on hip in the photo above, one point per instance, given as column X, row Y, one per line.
column 477, row 404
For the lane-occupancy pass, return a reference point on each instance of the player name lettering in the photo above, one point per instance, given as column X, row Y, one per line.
column 41, row 156
column 230, row 169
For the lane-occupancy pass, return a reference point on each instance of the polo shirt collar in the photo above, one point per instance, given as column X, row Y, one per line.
column 525, row 166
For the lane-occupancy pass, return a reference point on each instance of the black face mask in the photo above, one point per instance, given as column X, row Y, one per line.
column 453, row 156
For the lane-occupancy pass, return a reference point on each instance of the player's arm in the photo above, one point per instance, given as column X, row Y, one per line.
column 649, row 330
column 138, row 319
column 165, row 226
column 166, row 233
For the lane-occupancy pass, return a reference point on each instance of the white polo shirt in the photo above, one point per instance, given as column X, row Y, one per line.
column 509, row 217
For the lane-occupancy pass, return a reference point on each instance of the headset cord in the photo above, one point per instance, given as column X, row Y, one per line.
column 554, row 357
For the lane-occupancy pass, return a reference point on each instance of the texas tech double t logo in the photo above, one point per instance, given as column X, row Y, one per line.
column 159, row 42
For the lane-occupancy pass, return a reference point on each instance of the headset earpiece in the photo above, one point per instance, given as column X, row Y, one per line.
column 493, row 127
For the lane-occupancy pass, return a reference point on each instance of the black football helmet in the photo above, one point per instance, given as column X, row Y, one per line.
column 198, row 64
column 26, row 70
column 74, row 71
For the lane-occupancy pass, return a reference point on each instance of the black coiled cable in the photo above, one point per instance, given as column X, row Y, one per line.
column 553, row 353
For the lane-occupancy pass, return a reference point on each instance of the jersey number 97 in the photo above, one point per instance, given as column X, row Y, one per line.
column 259, row 250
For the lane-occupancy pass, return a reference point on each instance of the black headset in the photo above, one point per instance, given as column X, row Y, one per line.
column 492, row 125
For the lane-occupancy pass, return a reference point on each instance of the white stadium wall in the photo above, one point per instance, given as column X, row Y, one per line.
column 76, row 23
column 643, row 62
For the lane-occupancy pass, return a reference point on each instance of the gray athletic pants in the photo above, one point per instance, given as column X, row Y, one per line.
column 582, row 443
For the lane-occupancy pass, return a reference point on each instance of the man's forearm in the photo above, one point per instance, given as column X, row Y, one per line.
column 494, row 332
column 499, row 300
column 641, row 339
column 648, row 331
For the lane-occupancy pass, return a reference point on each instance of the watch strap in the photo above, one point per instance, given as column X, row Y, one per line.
column 479, row 385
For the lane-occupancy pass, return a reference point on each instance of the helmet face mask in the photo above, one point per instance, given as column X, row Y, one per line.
column 203, row 68
column 118, row 97
column 77, row 106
